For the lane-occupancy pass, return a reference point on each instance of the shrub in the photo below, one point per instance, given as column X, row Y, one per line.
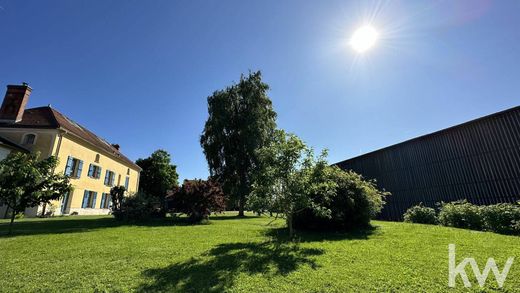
column 354, row 204
column 138, row 207
column 501, row 218
column 461, row 214
column 421, row 215
column 197, row 199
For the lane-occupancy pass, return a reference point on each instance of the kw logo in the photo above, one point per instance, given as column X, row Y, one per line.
column 455, row 270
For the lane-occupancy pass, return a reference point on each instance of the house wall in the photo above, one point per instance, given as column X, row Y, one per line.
column 52, row 142
column 70, row 146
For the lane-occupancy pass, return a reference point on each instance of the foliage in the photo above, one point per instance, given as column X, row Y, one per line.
column 26, row 181
column 355, row 202
column 421, row 215
column 241, row 121
column 117, row 195
column 501, row 218
column 197, row 199
column 240, row 255
column 290, row 175
column 158, row 175
column 138, row 207
column 461, row 214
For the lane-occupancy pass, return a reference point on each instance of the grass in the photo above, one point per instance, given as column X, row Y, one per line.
column 239, row 255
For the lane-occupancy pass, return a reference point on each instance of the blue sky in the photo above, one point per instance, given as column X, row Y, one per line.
column 138, row 72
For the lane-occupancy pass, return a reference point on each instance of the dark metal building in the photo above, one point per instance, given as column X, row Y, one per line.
column 478, row 160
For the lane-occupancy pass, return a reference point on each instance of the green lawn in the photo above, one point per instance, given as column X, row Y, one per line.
column 238, row 255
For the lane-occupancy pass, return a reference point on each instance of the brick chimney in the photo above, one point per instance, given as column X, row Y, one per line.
column 14, row 103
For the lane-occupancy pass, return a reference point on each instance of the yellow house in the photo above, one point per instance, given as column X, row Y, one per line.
column 93, row 164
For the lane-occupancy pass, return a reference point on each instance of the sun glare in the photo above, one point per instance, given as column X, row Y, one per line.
column 363, row 39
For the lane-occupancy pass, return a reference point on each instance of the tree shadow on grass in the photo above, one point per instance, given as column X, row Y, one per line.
column 282, row 234
column 216, row 270
column 63, row 225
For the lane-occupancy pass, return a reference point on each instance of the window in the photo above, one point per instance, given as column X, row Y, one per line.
column 128, row 171
column 97, row 158
column 29, row 139
column 94, row 171
column 119, row 180
column 65, row 202
column 74, row 167
column 89, row 199
column 106, row 201
column 127, row 181
column 109, row 178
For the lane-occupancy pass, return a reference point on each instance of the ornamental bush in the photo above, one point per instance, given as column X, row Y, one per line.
column 355, row 203
column 501, row 218
column 137, row 207
column 461, row 214
column 197, row 199
column 421, row 215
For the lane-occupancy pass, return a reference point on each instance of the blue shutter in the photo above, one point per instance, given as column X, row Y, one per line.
column 98, row 174
column 102, row 204
column 106, row 177
column 85, row 199
column 90, row 171
column 94, row 200
column 80, row 168
column 126, row 183
column 68, row 167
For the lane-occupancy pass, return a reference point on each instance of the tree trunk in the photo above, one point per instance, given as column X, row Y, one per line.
column 290, row 225
column 241, row 206
column 43, row 210
column 13, row 214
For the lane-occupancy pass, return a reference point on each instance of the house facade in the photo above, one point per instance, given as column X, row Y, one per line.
column 93, row 164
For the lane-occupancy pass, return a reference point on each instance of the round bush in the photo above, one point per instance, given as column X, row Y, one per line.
column 461, row 214
column 421, row 215
column 355, row 203
column 501, row 218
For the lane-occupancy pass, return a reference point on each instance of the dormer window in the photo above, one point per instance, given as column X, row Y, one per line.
column 29, row 139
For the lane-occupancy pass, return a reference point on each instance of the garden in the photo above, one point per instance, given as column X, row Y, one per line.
column 273, row 216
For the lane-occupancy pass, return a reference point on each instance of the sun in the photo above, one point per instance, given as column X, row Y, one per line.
column 363, row 39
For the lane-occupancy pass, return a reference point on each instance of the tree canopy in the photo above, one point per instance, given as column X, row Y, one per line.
column 241, row 121
column 158, row 175
column 290, row 178
column 26, row 181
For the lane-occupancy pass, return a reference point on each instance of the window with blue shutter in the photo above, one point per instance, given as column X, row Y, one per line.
column 98, row 173
column 68, row 167
column 107, row 174
column 85, row 199
column 80, row 168
column 93, row 205
column 127, row 180
column 90, row 171
column 102, row 204
column 113, row 177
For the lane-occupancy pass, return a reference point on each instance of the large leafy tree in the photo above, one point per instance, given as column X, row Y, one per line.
column 158, row 175
column 290, row 179
column 26, row 181
column 241, row 121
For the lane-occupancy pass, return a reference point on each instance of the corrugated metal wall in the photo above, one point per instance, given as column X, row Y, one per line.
column 478, row 161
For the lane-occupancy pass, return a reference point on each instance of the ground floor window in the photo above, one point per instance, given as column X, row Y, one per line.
column 89, row 199
column 106, row 201
column 65, row 202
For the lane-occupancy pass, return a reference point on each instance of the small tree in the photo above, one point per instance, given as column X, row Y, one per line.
column 289, row 176
column 117, row 194
column 158, row 176
column 26, row 181
column 198, row 199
